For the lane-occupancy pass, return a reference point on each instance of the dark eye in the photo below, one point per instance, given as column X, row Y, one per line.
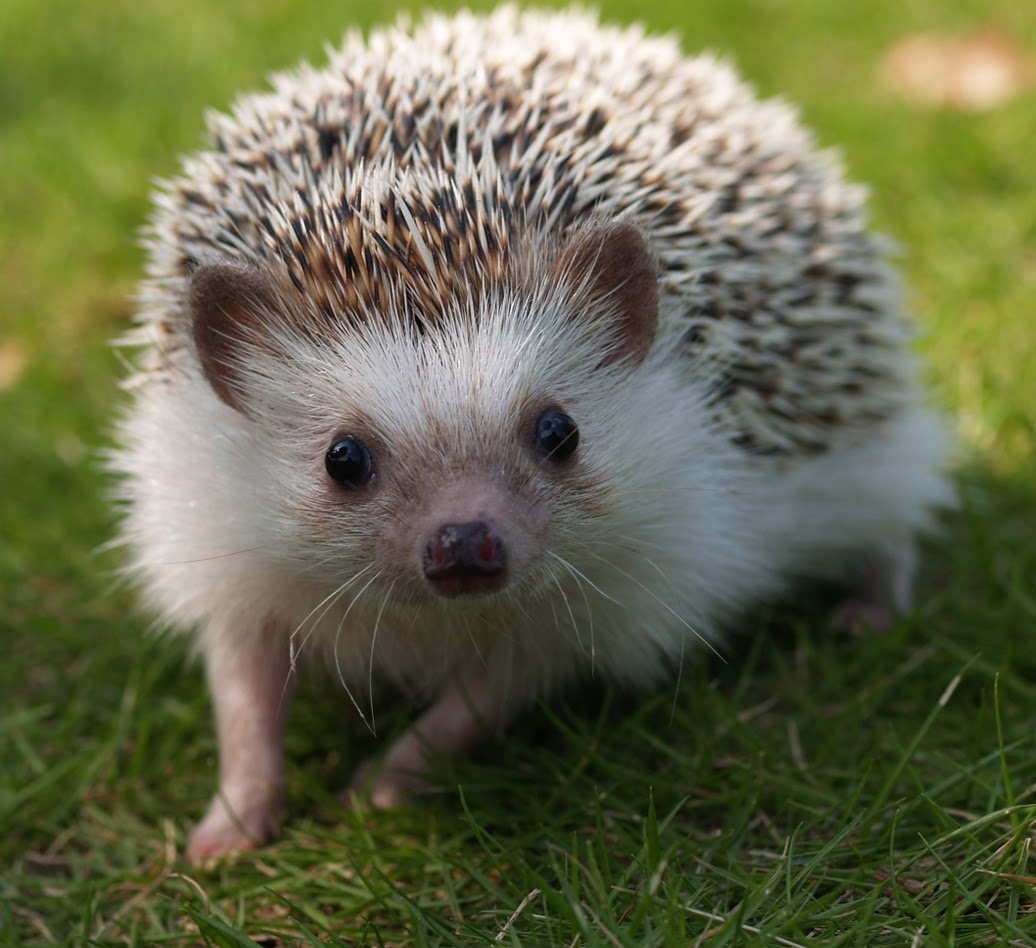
column 349, row 462
column 557, row 435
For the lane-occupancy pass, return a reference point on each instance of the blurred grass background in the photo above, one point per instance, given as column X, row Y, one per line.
column 792, row 788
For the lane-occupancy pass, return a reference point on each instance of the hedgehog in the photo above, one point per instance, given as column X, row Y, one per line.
column 502, row 353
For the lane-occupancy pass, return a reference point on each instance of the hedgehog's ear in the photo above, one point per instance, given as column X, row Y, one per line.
column 610, row 262
column 227, row 302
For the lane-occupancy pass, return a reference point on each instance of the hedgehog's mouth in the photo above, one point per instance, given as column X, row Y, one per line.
column 468, row 583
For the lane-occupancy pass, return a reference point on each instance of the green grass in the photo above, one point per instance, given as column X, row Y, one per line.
column 811, row 790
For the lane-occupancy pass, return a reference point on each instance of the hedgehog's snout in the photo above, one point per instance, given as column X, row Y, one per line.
column 465, row 559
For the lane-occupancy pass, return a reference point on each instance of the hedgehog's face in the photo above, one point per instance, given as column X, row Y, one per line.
column 465, row 525
column 452, row 463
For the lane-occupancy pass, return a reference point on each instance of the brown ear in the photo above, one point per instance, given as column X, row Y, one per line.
column 227, row 302
column 612, row 262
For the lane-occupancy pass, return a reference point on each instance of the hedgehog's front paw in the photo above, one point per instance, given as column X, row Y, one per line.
column 388, row 784
column 225, row 830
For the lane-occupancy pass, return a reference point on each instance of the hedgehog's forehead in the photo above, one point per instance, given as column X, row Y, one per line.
column 480, row 365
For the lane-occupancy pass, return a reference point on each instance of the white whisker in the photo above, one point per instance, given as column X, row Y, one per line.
column 474, row 642
column 330, row 601
column 634, row 544
column 676, row 615
column 581, row 575
column 338, row 659
column 687, row 489
column 679, row 679
column 581, row 578
column 204, row 559
column 557, row 621
column 571, row 614
column 374, row 640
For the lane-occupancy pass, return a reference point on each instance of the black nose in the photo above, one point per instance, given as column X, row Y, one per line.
column 466, row 559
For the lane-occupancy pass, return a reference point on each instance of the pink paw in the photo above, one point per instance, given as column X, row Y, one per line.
column 380, row 786
column 863, row 617
column 222, row 833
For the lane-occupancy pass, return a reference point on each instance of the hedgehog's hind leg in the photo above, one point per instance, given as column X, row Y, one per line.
column 881, row 589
